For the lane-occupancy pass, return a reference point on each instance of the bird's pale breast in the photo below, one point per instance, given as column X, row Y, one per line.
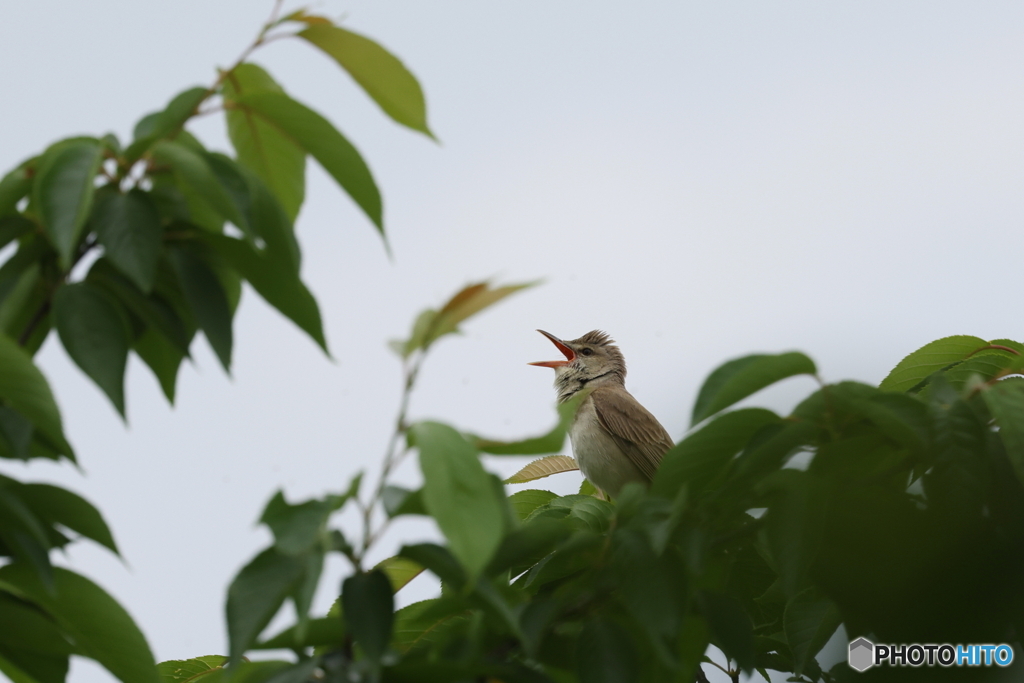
column 599, row 457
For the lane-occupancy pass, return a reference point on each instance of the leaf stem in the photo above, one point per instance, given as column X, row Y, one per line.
column 261, row 39
column 392, row 456
column 719, row 667
column 274, row 14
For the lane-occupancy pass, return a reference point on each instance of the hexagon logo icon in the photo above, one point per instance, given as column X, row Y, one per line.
column 862, row 654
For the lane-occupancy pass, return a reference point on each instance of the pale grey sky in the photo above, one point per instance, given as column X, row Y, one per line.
column 701, row 180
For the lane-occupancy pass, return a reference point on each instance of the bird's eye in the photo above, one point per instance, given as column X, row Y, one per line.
column 586, row 352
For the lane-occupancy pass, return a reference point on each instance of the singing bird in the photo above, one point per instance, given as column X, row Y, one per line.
column 614, row 438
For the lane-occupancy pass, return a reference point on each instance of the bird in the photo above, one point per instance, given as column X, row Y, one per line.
column 614, row 438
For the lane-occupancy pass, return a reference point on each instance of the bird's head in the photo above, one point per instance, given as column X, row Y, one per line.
column 593, row 356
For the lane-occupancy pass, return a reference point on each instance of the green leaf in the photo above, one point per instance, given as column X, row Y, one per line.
column 458, row 494
column 305, row 589
column 60, row 506
column 207, row 300
column 431, row 325
column 381, row 74
column 170, row 324
column 128, row 227
column 438, row 560
column 1009, row 344
column 32, row 646
column 605, row 653
column 261, row 146
column 277, row 283
column 28, row 304
column 270, row 222
column 303, row 671
column 900, row 417
column 958, row 483
column 983, row 365
column 18, row 675
column 494, row 605
column 167, row 123
column 649, row 588
column 470, row 301
column 14, row 187
column 730, row 626
column 152, row 310
column 399, row 501
column 24, row 535
column 298, row 528
column 256, row 594
column 100, row 627
column 588, row 512
column 583, row 551
column 696, row 460
column 525, row 502
column 302, row 16
column 95, row 333
column 180, row 109
column 528, row 544
column 1005, row 400
column 930, row 358
column 544, row 467
column 794, row 524
column 25, row 390
column 368, row 605
column 399, row 570
column 764, row 455
column 327, row 630
column 193, row 171
column 24, row 261
column 184, row 670
column 17, row 431
column 692, row 642
column 249, row 672
column 420, row 328
column 538, row 445
column 63, row 193
column 111, row 144
column 810, row 620
column 234, row 182
column 13, row 227
column 742, row 377
column 424, row 622
column 178, row 202
column 162, row 357
column 315, row 134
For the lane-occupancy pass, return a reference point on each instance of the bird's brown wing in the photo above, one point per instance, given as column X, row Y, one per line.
column 640, row 436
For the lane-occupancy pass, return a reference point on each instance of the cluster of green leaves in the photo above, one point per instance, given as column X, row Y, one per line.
column 135, row 246
column 177, row 228
column 897, row 511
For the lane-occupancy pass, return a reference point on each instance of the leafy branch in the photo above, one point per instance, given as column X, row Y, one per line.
column 429, row 327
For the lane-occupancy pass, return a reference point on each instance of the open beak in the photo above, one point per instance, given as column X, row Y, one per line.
column 569, row 354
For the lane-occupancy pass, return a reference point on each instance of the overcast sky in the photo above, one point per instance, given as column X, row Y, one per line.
column 701, row 180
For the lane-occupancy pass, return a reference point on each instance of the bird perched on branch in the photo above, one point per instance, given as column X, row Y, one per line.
column 614, row 438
